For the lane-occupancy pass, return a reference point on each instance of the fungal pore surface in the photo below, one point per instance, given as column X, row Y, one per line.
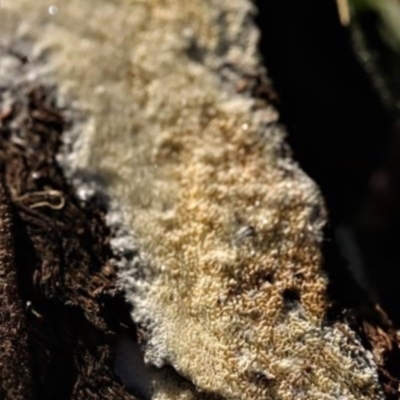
column 217, row 231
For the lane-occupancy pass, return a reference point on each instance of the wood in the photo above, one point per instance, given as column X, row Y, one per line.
column 15, row 371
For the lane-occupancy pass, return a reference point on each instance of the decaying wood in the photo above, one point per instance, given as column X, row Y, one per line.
column 15, row 372
column 74, row 313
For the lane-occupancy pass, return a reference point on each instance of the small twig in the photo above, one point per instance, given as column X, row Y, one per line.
column 344, row 12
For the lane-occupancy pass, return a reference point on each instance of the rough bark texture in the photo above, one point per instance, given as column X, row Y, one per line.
column 15, row 368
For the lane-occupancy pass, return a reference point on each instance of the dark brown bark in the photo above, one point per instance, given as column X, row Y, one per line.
column 15, row 373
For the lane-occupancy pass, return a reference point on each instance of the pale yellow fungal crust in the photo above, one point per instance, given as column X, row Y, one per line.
column 228, row 228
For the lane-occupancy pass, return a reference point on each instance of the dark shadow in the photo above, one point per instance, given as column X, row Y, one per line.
column 338, row 127
column 339, row 130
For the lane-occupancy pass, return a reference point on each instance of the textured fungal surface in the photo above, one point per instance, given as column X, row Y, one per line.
column 218, row 232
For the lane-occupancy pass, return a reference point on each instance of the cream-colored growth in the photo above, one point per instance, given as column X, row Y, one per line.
column 228, row 228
